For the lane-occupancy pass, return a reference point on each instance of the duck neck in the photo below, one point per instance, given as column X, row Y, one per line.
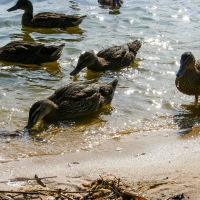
column 54, row 112
column 28, row 15
column 189, row 73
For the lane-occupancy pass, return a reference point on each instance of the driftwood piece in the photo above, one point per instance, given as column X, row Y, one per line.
column 20, row 192
column 16, row 133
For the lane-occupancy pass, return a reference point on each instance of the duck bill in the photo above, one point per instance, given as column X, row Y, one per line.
column 181, row 71
column 75, row 72
column 29, row 126
column 12, row 8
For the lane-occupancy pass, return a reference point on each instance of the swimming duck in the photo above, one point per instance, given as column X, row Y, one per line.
column 111, row 2
column 188, row 76
column 72, row 100
column 111, row 58
column 45, row 19
column 30, row 52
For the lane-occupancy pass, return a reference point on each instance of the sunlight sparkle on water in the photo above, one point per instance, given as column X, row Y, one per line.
column 151, row 78
column 130, row 91
column 101, row 18
column 156, row 104
column 180, row 11
column 15, row 109
column 157, row 42
column 177, row 63
column 186, row 18
column 174, row 16
column 131, row 21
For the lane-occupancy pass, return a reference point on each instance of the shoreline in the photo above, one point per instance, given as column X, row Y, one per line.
column 163, row 158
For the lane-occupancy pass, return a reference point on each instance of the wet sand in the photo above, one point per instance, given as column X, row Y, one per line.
column 157, row 164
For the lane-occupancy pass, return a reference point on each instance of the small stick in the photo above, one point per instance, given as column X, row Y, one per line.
column 19, row 192
column 25, row 179
column 39, row 181
column 70, row 192
column 69, row 198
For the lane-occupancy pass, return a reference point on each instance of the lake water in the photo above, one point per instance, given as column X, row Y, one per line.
column 146, row 98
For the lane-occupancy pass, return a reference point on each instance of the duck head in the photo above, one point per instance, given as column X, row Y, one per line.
column 21, row 4
column 85, row 60
column 38, row 111
column 187, row 61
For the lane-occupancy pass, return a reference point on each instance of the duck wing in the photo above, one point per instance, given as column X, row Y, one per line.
column 77, row 98
column 30, row 52
column 113, row 52
column 120, row 56
column 19, row 51
column 73, row 91
column 49, row 53
column 49, row 20
column 117, row 56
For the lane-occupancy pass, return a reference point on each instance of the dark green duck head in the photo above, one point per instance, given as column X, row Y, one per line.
column 23, row 5
column 38, row 111
column 187, row 61
column 85, row 60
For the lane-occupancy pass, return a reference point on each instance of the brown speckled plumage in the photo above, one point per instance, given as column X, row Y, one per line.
column 188, row 77
column 72, row 100
column 45, row 19
column 111, row 58
column 30, row 52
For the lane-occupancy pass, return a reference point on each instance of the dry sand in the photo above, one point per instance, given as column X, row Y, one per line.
column 157, row 164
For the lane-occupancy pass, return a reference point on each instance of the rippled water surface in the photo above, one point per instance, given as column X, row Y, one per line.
column 146, row 98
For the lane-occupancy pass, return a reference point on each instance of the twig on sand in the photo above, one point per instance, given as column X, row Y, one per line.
column 26, row 179
column 39, row 181
column 11, row 133
column 20, row 192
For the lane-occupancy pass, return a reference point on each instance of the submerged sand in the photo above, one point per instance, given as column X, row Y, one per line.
column 157, row 164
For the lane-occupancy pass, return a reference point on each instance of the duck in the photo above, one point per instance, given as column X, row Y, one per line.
column 111, row 2
column 30, row 52
column 112, row 58
column 72, row 100
column 188, row 76
column 45, row 19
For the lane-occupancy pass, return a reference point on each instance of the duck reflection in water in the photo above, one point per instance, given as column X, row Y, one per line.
column 70, row 30
column 186, row 118
column 74, row 6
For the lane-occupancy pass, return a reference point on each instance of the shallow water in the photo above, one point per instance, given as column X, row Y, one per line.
column 146, row 98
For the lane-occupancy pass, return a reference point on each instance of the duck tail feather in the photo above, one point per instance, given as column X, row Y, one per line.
column 58, row 51
column 79, row 20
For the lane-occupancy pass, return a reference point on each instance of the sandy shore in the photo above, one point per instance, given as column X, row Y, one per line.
column 158, row 164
